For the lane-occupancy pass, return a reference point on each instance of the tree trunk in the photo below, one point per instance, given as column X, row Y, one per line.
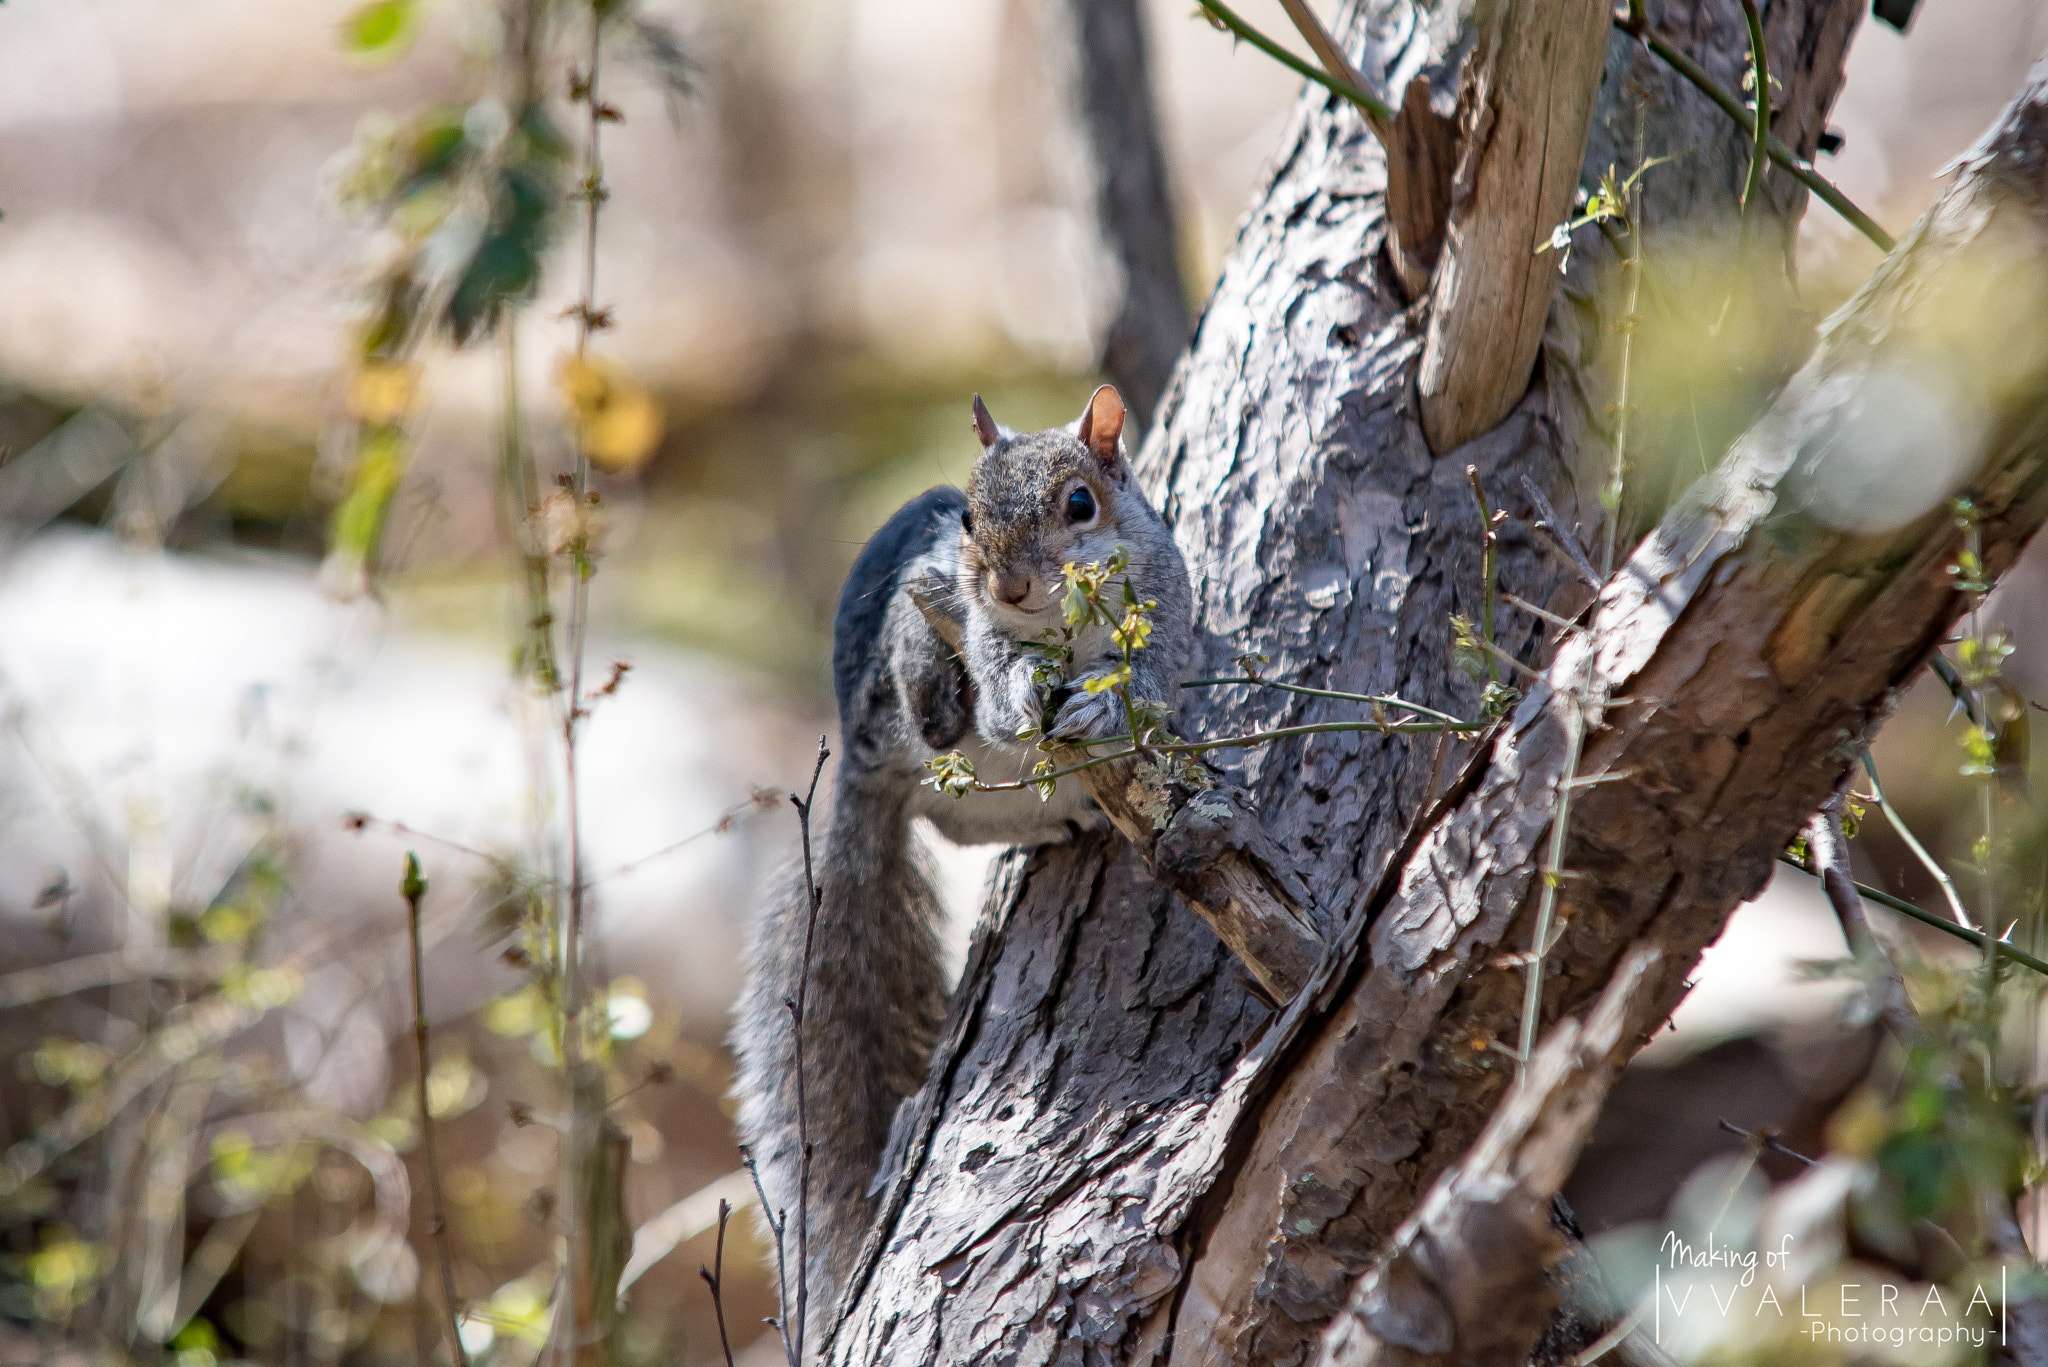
column 1121, row 1153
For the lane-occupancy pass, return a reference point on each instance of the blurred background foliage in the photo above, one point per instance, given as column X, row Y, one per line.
column 241, row 248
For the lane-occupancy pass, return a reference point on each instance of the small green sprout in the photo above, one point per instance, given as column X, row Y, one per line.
column 952, row 774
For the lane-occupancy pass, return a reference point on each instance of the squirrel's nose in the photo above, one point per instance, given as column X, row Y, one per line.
column 1012, row 587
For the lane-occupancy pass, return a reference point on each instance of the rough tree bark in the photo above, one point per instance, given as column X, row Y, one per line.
column 1453, row 1288
column 1121, row 1153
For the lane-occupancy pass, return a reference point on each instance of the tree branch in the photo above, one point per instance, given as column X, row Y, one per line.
column 1525, row 104
column 1887, row 989
column 1462, row 1280
column 1758, row 643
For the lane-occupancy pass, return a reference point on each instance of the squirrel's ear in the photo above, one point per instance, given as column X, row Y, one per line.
column 1102, row 423
column 984, row 425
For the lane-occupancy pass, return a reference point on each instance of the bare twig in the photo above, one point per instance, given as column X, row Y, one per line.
column 1255, row 738
column 1637, row 26
column 1610, row 493
column 1887, row 989
column 1759, row 157
column 1368, row 103
column 714, row 1277
column 1553, row 875
column 361, row 821
column 812, row 899
column 1975, row 938
column 1487, row 522
column 1766, row 1139
column 1387, row 700
column 759, row 798
column 778, row 1224
column 581, row 1150
column 413, row 888
column 28, row 985
column 1928, row 861
column 1542, row 613
column 661, row 1235
column 1560, row 534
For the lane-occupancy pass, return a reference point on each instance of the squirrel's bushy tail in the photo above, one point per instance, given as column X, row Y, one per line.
column 877, row 998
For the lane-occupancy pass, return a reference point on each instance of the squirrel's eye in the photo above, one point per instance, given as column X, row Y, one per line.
column 1080, row 506
column 967, row 522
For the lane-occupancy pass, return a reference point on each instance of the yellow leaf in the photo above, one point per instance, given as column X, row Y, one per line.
column 618, row 422
column 381, row 393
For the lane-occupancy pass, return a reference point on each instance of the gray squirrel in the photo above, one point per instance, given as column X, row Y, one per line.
column 982, row 571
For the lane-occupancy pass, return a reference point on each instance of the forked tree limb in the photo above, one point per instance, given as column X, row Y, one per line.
column 1741, row 659
column 1206, row 843
column 1462, row 1281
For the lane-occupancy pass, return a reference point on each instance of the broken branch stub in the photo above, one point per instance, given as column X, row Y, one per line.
column 1524, row 107
column 1199, row 835
column 1207, row 844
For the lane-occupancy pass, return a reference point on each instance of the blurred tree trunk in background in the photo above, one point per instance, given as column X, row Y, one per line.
column 1110, row 96
column 1121, row 1153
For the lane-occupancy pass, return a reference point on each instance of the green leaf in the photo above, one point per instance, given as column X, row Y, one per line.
column 358, row 525
column 382, row 28
column 1040, row 783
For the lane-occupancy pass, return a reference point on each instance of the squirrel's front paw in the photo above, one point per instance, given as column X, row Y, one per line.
column 1027, row 699
column 1090, row 716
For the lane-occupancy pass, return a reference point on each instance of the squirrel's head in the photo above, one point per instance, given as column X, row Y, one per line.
column 1039, row 500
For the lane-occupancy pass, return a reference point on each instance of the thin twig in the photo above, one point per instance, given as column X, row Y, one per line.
column 1933, row 866
column 1331, row 55
column 577, row 1150
column 413, row 888
column 777, row 1225
column 1976, row 938
column 813, row 898
column 1578, row 700
column 1887, row 988
column 1371, row 105
column 1637, row 26
column 522, row 498
column 1760, row 155
column 1195, row 747
column 1767, row 1140
column 1486, row 540
column 1610, row 494
column 1542, row 613
column 1391, row 700
column 29, row 985
column 714, row 1277
column 1969, row 578
column 1611, row 1340
column 760, row 797
column 1553, row 874
column 1560, row 533
column 361, row 821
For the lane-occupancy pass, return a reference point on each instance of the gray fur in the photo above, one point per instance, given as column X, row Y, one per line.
column 1015, row 496
column 877, row 993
